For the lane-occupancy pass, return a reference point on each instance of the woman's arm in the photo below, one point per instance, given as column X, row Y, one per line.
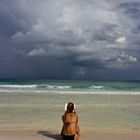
column 63, row 117
column 77, row 135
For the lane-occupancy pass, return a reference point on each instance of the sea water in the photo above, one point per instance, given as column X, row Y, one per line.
column 39, row 104
column 69, row 84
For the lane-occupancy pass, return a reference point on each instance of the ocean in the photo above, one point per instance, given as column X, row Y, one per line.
column 39, row 104
column 88, row 86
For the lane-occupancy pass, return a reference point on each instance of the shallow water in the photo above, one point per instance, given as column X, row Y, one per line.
column 31, row 110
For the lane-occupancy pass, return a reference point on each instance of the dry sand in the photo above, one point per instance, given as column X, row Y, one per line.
column 51, row 135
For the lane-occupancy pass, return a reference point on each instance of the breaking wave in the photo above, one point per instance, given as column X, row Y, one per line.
column 69, row 85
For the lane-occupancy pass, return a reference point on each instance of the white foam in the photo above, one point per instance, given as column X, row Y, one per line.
column 17, row 86
column 58, row 87
column 97, row 87
column 35, row 86
column 71, row 92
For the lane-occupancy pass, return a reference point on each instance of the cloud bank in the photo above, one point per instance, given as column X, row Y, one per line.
column 70, row 39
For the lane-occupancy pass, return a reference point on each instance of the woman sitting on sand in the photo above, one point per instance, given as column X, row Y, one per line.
column 70, row 129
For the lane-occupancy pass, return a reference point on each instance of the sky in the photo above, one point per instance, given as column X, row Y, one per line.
column 70, row 39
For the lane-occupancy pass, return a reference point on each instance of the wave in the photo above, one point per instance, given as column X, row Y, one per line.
column 70, row 85
column 18, row 86
column 46, row 86
column 54, row 87
column 96, row 87
column 35, row 86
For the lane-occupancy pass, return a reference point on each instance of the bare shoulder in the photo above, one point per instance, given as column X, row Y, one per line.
column 63, row 116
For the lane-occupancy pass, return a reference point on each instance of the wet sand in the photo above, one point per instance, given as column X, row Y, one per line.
column 51, row 135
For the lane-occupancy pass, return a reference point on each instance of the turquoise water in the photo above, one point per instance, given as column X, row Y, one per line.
column 70, row 85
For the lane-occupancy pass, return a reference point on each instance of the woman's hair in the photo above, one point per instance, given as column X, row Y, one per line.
column 70, row 107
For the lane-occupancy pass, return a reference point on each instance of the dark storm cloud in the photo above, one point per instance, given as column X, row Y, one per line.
column 131, row 8
column 69, row 39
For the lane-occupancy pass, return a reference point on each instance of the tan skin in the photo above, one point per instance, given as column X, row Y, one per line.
column 70, row 124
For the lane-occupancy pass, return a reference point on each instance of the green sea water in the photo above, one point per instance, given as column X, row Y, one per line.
column 33, row 84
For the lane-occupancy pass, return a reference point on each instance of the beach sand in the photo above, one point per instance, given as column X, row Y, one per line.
column 51, row 135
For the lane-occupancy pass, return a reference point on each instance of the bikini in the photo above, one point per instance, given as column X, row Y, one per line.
column 68, row 137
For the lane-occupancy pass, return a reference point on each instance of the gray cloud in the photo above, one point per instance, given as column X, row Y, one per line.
column 73, row 38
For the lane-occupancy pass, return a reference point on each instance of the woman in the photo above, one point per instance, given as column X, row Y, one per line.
column 70, row 130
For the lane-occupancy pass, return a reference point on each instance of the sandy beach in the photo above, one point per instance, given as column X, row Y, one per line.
column 51, row 135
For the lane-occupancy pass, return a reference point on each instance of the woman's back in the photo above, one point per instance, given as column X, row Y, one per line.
column 70, row 123
column 70, row 129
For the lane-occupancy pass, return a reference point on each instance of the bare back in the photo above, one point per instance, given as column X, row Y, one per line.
column 70, row 121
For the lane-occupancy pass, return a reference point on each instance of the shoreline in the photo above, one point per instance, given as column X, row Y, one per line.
column 72, row 92
column 51, row 134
